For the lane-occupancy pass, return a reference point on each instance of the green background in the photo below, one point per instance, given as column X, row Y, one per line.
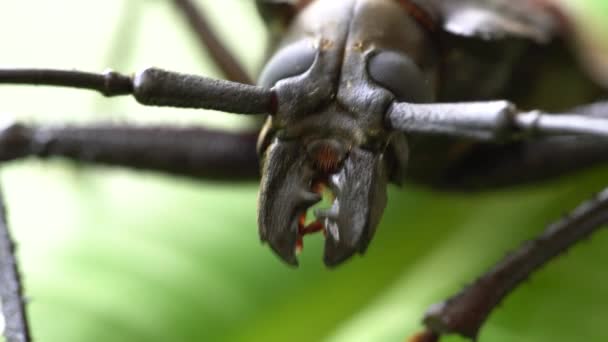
column 114, row 255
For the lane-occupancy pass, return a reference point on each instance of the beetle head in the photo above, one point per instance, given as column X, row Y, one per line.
column 328, row 131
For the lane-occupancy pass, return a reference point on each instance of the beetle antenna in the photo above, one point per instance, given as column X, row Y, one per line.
column 492, row 121
column 156, row 87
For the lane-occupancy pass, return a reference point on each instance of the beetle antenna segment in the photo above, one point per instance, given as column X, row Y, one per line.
column 491, row 121
column 156, row 87
column 11, row 289
column 465, row 313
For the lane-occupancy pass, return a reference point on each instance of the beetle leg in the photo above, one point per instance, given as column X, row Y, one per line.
column 497, row 121
column 227, row 63
column 11, row 288
column 465, row 313
column 189, row 151
column 491, row 166
column 156, row 87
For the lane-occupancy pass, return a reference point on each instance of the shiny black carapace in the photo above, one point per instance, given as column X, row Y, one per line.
column 359, row 93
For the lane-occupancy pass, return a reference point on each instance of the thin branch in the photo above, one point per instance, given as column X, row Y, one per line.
column 156, row 87
column 11, row 289
column 195, row 16
column 465, row 313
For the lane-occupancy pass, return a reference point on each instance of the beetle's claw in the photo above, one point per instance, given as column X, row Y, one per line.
column 284, row 197
column 336, row 252
column 289, row 188
column 360, row 189
column 285, row 249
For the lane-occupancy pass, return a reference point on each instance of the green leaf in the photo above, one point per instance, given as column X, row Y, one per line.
column 117, row 255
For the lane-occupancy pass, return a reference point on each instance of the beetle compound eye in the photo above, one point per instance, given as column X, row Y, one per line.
column 292, row 60
column 399, row 74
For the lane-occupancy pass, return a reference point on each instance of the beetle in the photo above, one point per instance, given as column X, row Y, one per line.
column 291, row 249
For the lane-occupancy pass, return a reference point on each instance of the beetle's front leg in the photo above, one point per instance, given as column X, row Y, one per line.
column 573, row 145
column 465, row 312
column 187, row 151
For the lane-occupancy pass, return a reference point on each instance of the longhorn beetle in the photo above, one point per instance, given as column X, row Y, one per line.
column 352, row 102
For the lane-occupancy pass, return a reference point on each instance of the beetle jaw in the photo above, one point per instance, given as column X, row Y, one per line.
column 292, row 176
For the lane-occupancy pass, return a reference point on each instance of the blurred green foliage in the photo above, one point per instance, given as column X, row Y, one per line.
column 116, row 255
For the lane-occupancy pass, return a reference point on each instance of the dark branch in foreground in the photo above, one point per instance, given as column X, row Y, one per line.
column 465, row 313
column 156, row 87
column 210, row 42
column 186, row 151
column 11, row 290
